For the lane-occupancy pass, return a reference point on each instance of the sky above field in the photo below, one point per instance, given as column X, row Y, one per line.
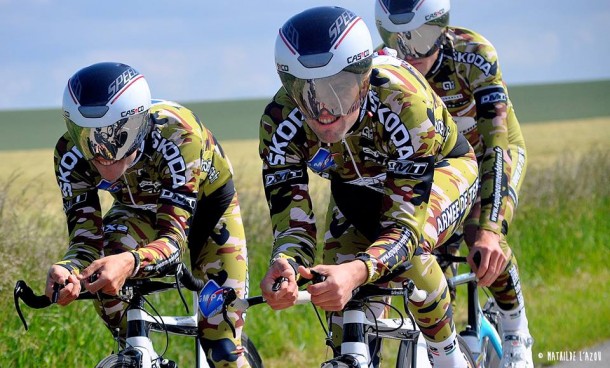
column 204, row 50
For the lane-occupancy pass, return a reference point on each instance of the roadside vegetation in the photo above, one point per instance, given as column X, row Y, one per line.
column 560, row 236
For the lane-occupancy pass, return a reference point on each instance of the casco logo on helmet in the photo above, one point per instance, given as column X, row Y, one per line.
column 359, row 56
column 121, row 81
column 282, row 67
column 435, row 15
column 337, row 28
column 134, row 111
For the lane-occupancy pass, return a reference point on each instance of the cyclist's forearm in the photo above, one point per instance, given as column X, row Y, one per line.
column 296, row 248
column 390, row 251
column 79, row 256
column 157, row 256
column 495, row 166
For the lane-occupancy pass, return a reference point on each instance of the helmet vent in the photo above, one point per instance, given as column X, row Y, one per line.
column 93, row 111
column 315, row 60
column 402, row 18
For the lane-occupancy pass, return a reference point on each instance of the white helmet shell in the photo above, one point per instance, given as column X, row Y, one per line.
column 105, row 106
column 408, row 15
column 320, row 42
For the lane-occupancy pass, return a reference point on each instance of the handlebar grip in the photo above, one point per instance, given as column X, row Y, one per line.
column 190, row 281
column 24, row 292
column 303, row 297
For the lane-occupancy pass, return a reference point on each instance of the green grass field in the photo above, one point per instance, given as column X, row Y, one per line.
column 232, row 120
column 560, row 237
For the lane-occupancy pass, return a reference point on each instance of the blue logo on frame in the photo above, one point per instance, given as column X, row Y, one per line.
column 321, row 161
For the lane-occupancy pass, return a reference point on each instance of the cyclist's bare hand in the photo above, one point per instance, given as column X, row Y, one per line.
column 111, row 273
column 333, row 293
column 70, row 285
column 493, row 260
column 286, row 295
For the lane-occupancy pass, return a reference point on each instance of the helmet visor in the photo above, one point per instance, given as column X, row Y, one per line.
column 112, row 142
column 338, row 95
column 418, row 43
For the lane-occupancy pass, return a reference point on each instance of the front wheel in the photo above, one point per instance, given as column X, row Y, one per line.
column 252, row 356
column 405, row 353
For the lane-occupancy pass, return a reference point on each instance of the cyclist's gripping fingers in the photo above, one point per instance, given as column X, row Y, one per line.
column 284, row 296
column 109, row 273
column 493, row 259
column 336, row 290
column 69, row 285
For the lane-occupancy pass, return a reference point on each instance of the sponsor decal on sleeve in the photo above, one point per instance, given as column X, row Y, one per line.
column 188, row 202
column 68, row 205
column 66, row 164
column 477, row 60
column 282, row 136
column 282, row 176
column 173, row 157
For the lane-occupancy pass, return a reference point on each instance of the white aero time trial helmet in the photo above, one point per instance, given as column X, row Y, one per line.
column 105, row 107
column 414, row 28
column 323, row 56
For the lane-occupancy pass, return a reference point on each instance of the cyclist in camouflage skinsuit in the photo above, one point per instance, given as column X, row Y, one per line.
column 172, row 186
column 462, row 67
column 402, row 177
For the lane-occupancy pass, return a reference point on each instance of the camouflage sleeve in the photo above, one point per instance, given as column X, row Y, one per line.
column 285, row 181
column 413, row 147
column 180, row 165
column 495, row 166
column 81, row 206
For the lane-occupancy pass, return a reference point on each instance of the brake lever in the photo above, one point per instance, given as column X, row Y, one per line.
column 16, row 295
column 230, row 295
column 277, row 284
column 56, row 288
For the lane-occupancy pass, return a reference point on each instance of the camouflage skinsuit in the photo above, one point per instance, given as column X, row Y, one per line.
column 179, row 192
column 402, row 181
column 468, row 78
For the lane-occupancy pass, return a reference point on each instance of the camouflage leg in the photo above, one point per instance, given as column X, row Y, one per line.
column 450, row 269
column 454, row 191
column 125, row 229
column 224, row 259
column 434, row 316
column 341, row 243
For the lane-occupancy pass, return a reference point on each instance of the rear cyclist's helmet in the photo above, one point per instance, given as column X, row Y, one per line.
column 414, row 28
column 105, row 106
column 324, row 56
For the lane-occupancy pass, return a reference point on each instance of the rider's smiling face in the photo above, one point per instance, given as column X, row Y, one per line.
column 112, row 170
column 331, row 129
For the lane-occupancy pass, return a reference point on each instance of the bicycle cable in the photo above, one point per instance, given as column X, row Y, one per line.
column 157, row 321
